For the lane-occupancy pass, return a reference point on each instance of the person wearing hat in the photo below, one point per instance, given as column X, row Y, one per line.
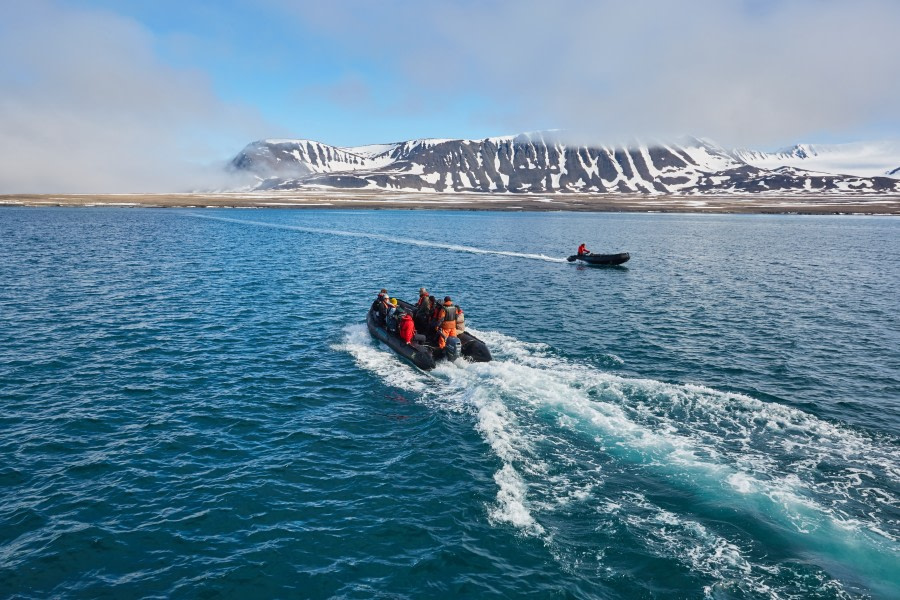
column 447, row 318
column 423, row 295
column 424, row 308
column 392, row 320
column 381, row 305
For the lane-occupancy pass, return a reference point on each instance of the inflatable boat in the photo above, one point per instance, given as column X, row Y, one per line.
column 601, row 259
column 421, row 353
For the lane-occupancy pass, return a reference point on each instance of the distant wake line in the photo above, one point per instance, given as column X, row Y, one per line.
column 386, row 238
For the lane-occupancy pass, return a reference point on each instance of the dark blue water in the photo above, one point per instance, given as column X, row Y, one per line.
column 190, row 406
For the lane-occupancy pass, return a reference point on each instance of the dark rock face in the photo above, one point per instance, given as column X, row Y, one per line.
column 534, row 163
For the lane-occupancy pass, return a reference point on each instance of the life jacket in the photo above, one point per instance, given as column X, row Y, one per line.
column 448, row 323
column 391, row 319
column 450, row 313
column 379, row 308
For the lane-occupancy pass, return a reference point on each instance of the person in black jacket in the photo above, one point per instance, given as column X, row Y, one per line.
column 381, row 306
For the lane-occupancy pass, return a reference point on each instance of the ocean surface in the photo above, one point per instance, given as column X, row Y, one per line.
column 191, row 407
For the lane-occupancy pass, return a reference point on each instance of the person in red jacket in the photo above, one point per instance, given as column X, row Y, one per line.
column 582, row 249
column 407, row 328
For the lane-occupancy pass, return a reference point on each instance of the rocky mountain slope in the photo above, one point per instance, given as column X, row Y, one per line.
column 540, row 163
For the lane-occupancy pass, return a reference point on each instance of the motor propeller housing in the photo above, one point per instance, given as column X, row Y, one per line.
column 453, row 349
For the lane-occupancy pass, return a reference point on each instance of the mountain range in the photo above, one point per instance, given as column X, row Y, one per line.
column 542, row 163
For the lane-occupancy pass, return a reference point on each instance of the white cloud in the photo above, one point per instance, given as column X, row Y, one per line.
column 88, row 107
column 739, row 71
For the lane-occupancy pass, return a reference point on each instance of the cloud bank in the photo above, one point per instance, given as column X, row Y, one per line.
column 88, row 107
column 743, row 72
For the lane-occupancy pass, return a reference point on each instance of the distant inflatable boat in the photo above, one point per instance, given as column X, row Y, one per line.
column 422, row 354
column 601, row 259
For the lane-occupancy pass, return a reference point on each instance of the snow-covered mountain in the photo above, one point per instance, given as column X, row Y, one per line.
column 541, row 163
column 866, row 159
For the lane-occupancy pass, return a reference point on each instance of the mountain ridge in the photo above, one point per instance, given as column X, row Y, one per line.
column 541, row 162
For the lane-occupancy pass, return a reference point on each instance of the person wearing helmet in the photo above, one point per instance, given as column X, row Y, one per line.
column 392, row 320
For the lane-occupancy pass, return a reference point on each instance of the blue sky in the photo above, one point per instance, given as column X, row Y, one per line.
column 149, row 94
column 303, row 79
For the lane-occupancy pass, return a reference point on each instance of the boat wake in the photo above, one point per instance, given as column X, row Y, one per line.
column 384, row 238
column 585, row 455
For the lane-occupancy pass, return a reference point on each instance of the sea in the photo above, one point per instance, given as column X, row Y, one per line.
column 191, row 406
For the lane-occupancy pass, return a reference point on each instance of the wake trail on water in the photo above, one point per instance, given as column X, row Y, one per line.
column 566, row 435
column 384, row 238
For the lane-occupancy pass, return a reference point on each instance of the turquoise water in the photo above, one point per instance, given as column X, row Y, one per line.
column 190, row 406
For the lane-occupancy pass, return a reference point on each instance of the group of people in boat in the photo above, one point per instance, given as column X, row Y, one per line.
column 433, row 321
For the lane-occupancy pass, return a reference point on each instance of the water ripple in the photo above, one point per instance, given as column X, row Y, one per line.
column 193, row 407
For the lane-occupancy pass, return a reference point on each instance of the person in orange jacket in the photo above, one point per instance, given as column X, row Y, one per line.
column 423, row 296
column 447, row 318
column 407, row 328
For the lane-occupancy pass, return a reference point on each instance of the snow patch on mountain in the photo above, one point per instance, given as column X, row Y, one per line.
column 864, row 159
column 542, row 162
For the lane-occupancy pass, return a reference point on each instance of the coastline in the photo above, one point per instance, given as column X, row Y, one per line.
column 809, row 204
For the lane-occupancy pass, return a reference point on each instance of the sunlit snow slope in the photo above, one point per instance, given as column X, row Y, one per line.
column 542, row 163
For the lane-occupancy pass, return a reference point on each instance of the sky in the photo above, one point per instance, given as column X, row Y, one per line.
column 157, row 95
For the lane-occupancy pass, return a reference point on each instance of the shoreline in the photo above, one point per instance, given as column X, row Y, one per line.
column 807, row 204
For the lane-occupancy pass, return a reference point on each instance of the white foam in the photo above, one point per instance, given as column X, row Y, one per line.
column 511, row 501
column 548, row 420
column 371, row 356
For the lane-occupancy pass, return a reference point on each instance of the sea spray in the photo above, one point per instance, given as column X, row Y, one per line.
column 551, row 422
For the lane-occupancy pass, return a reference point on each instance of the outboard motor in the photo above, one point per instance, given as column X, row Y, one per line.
column 453, row 349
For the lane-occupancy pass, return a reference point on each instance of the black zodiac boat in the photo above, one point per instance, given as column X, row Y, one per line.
column 422, row 354
column 601, row 259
